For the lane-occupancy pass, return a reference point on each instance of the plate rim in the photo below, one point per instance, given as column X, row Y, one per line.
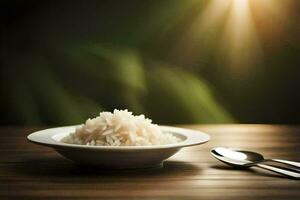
column 193, row 137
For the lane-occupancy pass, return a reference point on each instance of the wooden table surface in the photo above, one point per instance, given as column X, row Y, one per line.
column 29, row 171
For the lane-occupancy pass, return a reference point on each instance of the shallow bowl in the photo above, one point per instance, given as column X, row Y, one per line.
column 117, row 157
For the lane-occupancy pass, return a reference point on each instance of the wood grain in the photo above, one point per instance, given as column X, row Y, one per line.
column 29, row 171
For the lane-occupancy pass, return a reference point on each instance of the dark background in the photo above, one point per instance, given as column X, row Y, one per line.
column 65, row 61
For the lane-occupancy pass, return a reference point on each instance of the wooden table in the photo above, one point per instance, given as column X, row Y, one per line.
column 29, row 171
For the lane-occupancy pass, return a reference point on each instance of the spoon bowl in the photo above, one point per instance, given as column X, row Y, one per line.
column 237, row 158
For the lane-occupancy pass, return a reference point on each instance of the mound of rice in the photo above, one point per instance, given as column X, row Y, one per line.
column 120, row 128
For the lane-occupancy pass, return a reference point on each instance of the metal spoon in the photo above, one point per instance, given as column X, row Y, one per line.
column 245, row 159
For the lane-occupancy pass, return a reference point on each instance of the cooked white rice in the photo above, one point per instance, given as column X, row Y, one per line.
column 120, row 128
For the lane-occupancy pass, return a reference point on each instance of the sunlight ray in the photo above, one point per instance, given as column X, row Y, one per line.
column 240, row 46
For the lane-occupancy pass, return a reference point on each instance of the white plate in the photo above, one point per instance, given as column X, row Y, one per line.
column 117, row 157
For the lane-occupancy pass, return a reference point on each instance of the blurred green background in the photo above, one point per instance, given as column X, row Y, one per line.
column 193, row 61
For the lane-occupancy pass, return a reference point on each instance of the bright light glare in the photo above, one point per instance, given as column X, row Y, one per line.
column 231, row 154
column 240, row 43
column 228, row 30
column 240, row 3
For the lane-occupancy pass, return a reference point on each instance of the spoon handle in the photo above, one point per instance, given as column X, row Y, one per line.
column 280, row 171
column 291, row 163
